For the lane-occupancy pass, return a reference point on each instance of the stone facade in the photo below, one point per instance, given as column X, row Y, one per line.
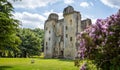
column 60, row 35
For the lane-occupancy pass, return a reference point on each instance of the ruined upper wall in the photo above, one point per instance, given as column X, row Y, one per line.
column 85, row 23
column 53, row 16
column 68, row 10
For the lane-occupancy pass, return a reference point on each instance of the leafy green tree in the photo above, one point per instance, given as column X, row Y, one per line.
column 8, row 26
column 30, row 43
column 40, row 33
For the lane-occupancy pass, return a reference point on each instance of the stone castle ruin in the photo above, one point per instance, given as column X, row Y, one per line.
column 60, row 34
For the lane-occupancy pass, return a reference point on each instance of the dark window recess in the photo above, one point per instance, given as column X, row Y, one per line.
column 46, row 43
column 49, row 39
column 66, row 28
column 66, row 35
column 54, row 25
column 70, row 21
column 70, row 38
column 49, row 32
column 46, row 48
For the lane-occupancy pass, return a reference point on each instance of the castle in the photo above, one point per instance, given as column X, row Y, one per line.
column 60, row 35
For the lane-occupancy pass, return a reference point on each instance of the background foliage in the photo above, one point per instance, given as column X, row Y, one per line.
column 15, row 41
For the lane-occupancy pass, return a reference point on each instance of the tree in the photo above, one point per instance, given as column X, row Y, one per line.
column 8, row 26
column 101, row 43
column 40, row 33
column 31, row 43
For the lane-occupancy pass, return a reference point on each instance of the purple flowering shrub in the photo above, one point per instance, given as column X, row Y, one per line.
column 101, row 42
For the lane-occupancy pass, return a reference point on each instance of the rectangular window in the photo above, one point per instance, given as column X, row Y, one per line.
column 66, row 28
column 66, row 35
column 71, row 22
column 46, row 48
column 49, row 32
column 49, row 39
column 46, row 43
column 70, row 38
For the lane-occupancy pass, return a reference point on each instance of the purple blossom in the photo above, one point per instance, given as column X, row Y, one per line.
column 92, row 35
column 83, row 67
column 111, row 33
column 103, row 43
column 105, row 40
column 82, row 43
column 98, row 35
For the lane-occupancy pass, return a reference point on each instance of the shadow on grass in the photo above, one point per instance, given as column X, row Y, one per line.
column 67, row 60
column 5, row 67
column 59, row 59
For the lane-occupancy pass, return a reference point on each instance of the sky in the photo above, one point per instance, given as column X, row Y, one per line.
column 33, row 13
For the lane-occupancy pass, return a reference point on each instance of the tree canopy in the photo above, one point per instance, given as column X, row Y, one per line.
column 8, row 25
column 31, row 42
column 15, row 40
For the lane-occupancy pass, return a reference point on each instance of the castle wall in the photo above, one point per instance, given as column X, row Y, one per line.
column 71, row 24
column 49, row 38
column 85, row 23
column 60, row 35
column 59, row 39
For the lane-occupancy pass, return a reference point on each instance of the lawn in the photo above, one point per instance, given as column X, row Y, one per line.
column 39, row 64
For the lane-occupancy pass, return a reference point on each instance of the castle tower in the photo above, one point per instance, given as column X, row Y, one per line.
column 72, row 24
column 60, row 34
column 49, row 38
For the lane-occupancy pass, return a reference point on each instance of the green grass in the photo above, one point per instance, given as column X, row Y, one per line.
column 40, row 64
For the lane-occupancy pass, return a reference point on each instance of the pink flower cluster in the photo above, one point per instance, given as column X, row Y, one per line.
column 98, row 33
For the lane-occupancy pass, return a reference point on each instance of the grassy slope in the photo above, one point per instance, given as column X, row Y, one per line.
column 40, row 64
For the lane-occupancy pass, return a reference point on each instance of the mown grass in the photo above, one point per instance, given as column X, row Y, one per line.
column 39, row 64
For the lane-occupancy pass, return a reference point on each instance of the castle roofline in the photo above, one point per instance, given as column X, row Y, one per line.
column 86, row 19
column 53, row 16
column 69, row 10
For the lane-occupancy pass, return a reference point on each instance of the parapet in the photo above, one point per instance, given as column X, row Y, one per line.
column 53, row 16
column 87, row 20
column 68, row 10
column 85, row 23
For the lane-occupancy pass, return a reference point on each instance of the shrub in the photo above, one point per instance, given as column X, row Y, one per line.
column 101, row 42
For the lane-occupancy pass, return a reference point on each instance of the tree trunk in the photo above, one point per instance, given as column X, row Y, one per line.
column 25, row 54
column 0, row 54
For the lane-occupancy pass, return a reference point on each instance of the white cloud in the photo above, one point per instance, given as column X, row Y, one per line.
column 32, row 4
column 30, row 20
column 68, row 1
column 47, row 13
column 84, row 4
column 33, row 20
column 111, row 3
column 93, row 20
